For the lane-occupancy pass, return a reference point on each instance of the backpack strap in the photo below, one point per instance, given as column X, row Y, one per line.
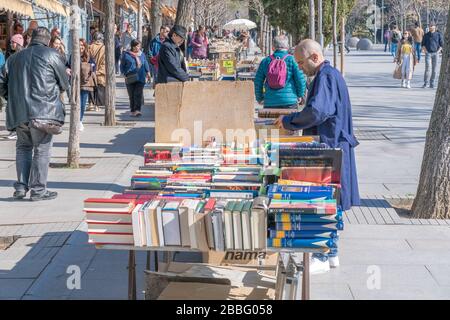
column 288, row 55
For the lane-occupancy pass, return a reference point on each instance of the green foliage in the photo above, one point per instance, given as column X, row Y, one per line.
column 293, row 16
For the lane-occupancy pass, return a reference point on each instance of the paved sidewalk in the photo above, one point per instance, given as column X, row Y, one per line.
column 413, row 261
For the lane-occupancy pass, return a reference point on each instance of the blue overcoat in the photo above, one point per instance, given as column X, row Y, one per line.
column 328, row 113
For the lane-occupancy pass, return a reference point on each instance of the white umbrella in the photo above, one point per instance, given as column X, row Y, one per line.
column 240, row 24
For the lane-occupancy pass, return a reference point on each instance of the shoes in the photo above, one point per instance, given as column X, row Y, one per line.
column 138, row 114
column 317, row 266
column 403, row 84
column 19, row 195
column 81, row 127
column 334, row 262
column 431, row 86
column 133, row 113
column 48, row 195
column 408, row 84
column 424, row 85
column 12, row 136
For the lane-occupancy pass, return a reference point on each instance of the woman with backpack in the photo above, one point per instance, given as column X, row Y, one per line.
column 135, row 68
column 279, row 83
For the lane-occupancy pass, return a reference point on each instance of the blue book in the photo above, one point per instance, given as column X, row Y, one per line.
column 306, row 218
column 282, row 226
column 291, row 192
column 293, row 234
column 302, row 243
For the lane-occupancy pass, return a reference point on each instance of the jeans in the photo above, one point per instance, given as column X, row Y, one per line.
column 33, row 152
column 406, row 67
column 84, row 96
column 418, row 47
column 430, row 61
column 136, row 95
column 394, row 49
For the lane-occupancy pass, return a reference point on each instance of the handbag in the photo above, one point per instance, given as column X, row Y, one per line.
column 132, row 78
column 398, row 72
column 47, row 126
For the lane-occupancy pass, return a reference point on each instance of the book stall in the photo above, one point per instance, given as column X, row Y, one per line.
column 274, row 196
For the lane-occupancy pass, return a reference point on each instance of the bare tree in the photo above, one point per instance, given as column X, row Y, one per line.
column 433, row 193
column 210, row 12
column 156, row 17
column 73, row 150
column 184, row 12
column 110, row 90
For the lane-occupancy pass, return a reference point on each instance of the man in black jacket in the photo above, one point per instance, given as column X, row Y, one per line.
column 433, row 43
column 32, row 82
column 171, row 64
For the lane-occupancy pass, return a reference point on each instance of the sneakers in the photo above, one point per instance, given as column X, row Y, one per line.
column 431, row 86
column 48, row 195
column 81, row 127
column 12, row 136
column 408, row 84
column 403, row 84
column 334, row 262
column 19, row 195
column 317, row 266
column 424, row 85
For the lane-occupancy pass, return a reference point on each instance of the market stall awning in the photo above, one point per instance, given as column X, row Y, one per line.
column 53, row 6
column 18, row 6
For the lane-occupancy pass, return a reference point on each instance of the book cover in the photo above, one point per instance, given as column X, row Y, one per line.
column 293, row 234
column 280, row 226
column 302, row 243
column 228, row 223
column 171, row 224
column 237, row 225
column 246, row 225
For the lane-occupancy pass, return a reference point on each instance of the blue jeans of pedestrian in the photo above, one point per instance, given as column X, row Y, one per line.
column 430, row 63
column 418, row 47
column 394, row 49
column 84, row 96
column 33, row 152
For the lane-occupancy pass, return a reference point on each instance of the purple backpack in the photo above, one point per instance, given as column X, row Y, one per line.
column 277, row 74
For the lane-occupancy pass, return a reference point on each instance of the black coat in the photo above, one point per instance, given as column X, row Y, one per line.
column 171, row 65
column 33, row 80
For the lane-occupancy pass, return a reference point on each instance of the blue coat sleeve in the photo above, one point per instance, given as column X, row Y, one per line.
column 300, row 80
column 319, row 108
column 260, row 78
column 125, row 65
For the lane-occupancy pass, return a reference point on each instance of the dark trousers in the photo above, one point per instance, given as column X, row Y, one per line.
column 33, row 152
column 136, row 95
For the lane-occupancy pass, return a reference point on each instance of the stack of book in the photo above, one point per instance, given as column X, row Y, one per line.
column 162, row 152
column 303, row 217
column 109, row 220
column 152, row 179
column 210, row 224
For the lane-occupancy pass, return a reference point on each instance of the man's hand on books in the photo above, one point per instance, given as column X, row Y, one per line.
column 279, row 122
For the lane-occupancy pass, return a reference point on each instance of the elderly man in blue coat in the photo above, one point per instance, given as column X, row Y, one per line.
column 327, row 114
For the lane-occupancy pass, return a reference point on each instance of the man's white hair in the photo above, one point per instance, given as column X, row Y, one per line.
column 309, row 47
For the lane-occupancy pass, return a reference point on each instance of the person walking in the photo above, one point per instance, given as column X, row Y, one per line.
column 32, row 82
column 190, row 48
column 97, row 53
column 280, row 65
column 417, row 35
column 27, row 35
column 127, row 37
column 117, row 49
column 432, row 43
column 153, row 51
column 135, row 68
column 87, row 78
column 171, row 63
column 406, row 59
column 387, row 40
column 328, row 114
column 16, row 45
column 200, row 44
column 396, row 37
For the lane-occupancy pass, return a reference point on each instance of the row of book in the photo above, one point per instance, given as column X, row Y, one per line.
column 210, row 224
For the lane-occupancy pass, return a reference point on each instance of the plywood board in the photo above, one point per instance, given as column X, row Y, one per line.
column 203, row 109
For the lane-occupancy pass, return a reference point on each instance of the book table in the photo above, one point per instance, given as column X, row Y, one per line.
column 289, row 268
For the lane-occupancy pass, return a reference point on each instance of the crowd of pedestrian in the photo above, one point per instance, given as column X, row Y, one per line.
column 407, row 49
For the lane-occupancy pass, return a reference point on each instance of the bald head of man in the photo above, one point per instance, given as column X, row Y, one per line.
column 309, row 56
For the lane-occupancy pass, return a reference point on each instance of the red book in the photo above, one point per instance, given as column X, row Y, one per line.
column 209, row 206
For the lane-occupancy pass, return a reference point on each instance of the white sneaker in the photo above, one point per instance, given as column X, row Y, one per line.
column 81, row 127
column 12, row 136
column 408, row 85
column 317, row 266
column 334, row 262
column 403, row 84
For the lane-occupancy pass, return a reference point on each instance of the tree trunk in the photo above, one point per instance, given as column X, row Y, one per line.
column 140, row 19
column 73, row 149
column 320, row 21
column 342, row 44
column 335, row 33
column 156, row 17
column 433, row 194
column 110, row 92
column 184, row 13
column 312, row 23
